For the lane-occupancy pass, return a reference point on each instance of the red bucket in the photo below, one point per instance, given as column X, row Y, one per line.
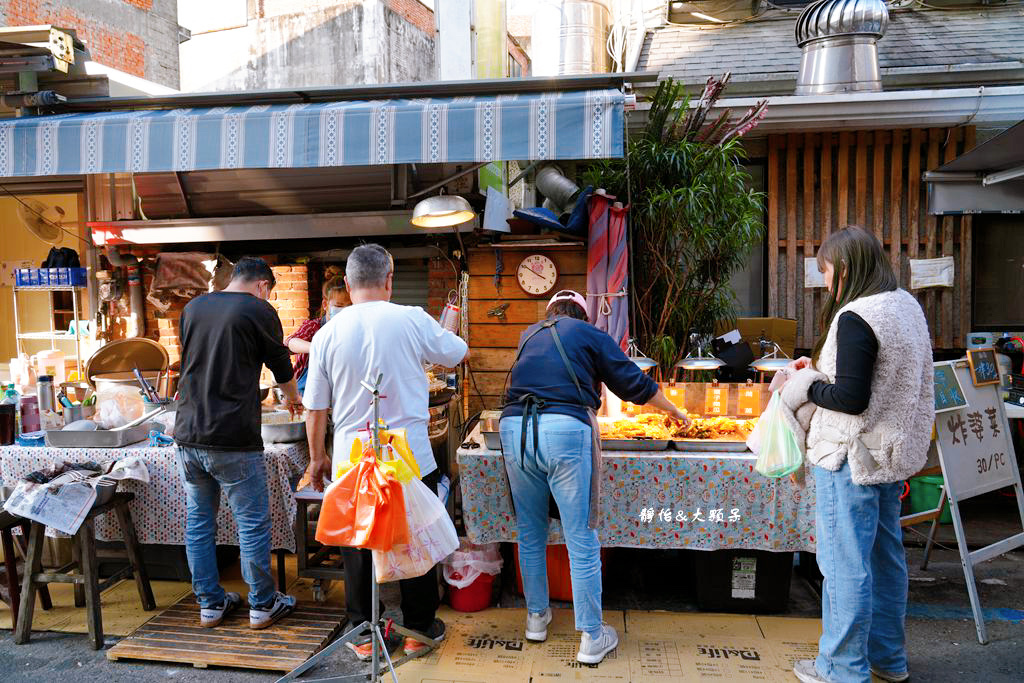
column 474, row 597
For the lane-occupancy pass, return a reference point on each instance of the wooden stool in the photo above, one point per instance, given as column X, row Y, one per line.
column 86, row 579
column 10, row 591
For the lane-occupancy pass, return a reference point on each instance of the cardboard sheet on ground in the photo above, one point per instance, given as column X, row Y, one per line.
column 122, row 611
column 653, row 647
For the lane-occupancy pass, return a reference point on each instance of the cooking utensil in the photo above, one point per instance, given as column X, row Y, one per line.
column 284, row 432
column 147, row 390
column 139, row 420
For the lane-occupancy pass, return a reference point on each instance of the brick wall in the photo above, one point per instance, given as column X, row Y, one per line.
column 290, row 298
column 416, row 13
column 441, row 280
column 139, row 37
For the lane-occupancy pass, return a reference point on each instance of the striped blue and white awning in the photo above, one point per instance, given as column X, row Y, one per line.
column 569, row 125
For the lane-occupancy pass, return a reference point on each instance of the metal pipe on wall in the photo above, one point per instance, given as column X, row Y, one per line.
column 136, row 304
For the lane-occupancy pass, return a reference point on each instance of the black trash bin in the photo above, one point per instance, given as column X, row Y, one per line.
column 747, row 581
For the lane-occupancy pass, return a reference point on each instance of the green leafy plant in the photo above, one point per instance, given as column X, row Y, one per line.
column 693, row 217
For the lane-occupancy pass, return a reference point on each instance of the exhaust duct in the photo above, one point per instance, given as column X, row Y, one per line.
column 839, row 43
column 570, row 37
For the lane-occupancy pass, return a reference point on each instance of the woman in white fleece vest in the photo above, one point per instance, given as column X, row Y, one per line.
column 871, row 382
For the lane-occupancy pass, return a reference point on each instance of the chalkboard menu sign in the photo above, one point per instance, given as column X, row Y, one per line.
column 984, row 369
column 949, row 395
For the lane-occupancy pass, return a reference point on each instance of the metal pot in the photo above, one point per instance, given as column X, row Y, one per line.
column 284, row 432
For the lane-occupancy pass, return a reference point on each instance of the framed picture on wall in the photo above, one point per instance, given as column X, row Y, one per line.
column 984, row 369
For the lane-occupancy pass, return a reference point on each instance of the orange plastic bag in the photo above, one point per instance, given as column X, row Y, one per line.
column 364, row 508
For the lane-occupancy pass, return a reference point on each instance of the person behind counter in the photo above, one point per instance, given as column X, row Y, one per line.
column 871, row 379
column 548, row 439
column 335, row 298
column 226, row 338
column 371, row 337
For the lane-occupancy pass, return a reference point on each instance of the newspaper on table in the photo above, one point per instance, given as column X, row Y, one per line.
column 64, row 502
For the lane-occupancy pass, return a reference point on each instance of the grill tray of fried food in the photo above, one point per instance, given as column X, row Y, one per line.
column 649, row 431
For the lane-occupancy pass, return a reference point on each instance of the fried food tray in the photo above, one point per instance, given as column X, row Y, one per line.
column 709, row 445
column 634, row 444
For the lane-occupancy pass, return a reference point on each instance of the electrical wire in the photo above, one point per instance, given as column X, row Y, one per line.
column 935, row 544
column 44, row 218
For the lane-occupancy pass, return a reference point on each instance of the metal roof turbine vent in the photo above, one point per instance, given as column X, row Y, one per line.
column 838, row 39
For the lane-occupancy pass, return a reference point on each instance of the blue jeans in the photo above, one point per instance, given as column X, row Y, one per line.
column 560, row 465
column 243, row 476
column 864, row 596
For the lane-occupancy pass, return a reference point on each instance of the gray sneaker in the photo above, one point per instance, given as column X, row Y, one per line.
column 807, row 672
column 890, row 676
column 593, row 650
column 212, row 616
column 260, row 617
column 537, row 625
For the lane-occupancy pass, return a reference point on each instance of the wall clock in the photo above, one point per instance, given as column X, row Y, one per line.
column 537, row 275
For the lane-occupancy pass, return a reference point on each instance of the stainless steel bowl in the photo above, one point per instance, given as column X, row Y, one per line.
column 284, row 432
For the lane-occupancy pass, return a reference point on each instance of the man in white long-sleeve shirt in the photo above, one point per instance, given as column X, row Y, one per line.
column 374, row 336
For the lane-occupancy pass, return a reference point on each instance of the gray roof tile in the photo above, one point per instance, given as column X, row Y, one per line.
column 915, row 38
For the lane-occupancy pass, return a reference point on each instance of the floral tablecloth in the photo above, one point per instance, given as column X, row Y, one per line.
column 158, row 510
column 699, row 501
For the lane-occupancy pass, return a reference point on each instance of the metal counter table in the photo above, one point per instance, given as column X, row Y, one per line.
column 159, row 506
column 714, row 501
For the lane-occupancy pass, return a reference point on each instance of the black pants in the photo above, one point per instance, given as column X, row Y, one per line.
column 419, row 595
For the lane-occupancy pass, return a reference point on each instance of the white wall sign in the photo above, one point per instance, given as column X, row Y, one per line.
column 976, row 454
column 812, row 276
column 932, row 272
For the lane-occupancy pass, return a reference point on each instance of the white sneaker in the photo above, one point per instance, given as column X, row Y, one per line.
column 537, row 625
column 805, row 670
column 210, row 617
column 266, row 615
column 593, row 650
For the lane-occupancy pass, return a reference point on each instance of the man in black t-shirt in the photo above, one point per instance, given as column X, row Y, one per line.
column 226, row 339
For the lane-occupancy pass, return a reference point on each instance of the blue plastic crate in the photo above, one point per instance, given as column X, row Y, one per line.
column 76, row 277
column 23, row 277
column 53, row 276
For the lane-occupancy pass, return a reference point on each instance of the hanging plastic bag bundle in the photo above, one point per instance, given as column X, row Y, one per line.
column 777, row 451
column 364, row 507
column 432, row 536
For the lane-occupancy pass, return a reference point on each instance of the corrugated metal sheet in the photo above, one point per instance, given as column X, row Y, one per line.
column 253, row 192
column 409, row 287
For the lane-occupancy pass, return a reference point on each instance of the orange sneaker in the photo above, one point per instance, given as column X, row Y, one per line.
column 436, row 631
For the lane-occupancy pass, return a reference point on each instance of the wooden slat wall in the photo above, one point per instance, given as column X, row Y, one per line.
column 819, row 183
column 492, row 341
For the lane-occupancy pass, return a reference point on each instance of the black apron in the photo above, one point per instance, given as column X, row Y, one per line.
column 533, row 406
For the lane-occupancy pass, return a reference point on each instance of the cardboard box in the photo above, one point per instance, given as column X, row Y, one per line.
column 782, row 331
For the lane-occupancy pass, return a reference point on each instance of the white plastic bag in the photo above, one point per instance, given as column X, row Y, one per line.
column 432, row 537
column 117, row 405
column 470, row 561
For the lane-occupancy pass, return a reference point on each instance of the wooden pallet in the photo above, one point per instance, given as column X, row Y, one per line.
column 174, row 635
